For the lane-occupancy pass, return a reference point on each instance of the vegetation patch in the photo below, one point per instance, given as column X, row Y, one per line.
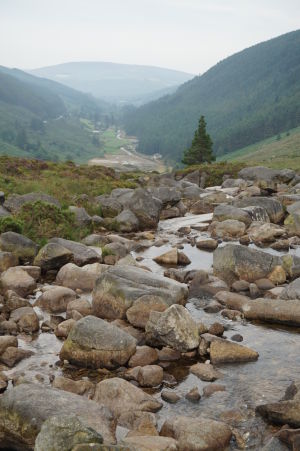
column 215, row 171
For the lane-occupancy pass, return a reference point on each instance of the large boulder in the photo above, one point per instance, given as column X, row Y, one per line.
column 223, row 212
column 56, row 299
column 21, row 246
column 83, row 254
column 126, row 221
column 197, row 434
column 7, row 260
column 25, row 408
column 82, row 218
column 292, row 222
column 261, row 233
column 26, row 319
column 53, row 256
column 94, row 343
column 122, row 397
column 119, row 287
column 63, row 433
column 146, row 208
column 15, row 202
column 110, row 206
column 227, row 229
column 76, row 277
column 167, row 195
column 267, row 178
column 174, row 327
column 138, row 314
column 273, row 207
column 291, row 291
column 234, row 262
column 17, row 280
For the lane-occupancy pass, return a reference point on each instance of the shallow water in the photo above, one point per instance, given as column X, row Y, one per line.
column 247, row 385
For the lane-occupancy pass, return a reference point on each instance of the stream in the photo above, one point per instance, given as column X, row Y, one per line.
column 247, row 385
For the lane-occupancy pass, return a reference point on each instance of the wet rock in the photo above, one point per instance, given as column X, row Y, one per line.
column 149, row 375
column 12, row 301
column 275, row 310
column 168, row 354
column 275, row 445
column 224, row 351
column 7, row 341
column 26, row 319
column 216, row 329
column 291, row 437
column 273, row 207
column 138, row 314
column 144, row 355
column 56, row 300
column 240, row 285
column 232, row 263
column 3, row 382
column 174, row 327
column 17, row 280
column 228, row 229
column 264, row 284
column 237, row 337
column 84, row 278
column 207, row 245
column 94, row 343
column 197, row 433
column 24, row 402
column 193, row 395
column 120, row 287
column 12, row 355
column 8, row 327
column 63, row 433
column 63, row 329
column 19, row 245
column 225, row 212
column 206, row 289
column 150, row 443
column 281, row 245
column 168, row 258
column 210, row 389
column 170, row 396
column 53, row 256
column 81, row 306
column 80, row 387
column 82, row 254
column 7, row 260
column 122, row 397
column 233, row 315
column 205, row 372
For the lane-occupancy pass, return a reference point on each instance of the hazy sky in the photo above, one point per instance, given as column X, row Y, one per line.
column 189, row 35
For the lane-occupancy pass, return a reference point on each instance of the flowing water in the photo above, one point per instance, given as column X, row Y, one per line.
column 247, row 385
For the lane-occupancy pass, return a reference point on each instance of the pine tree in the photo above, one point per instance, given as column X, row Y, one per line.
column 201, row 148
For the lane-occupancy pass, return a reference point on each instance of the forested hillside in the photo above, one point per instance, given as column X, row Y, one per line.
column 44, row 119
column 245, row 98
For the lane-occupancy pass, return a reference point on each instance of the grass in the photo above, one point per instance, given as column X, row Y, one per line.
column 214, row 171
column 110, row 143
column 272, row 152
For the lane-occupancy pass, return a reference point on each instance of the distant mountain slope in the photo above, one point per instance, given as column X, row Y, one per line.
column 247, row 97
column 121, row 83
column 43, row 119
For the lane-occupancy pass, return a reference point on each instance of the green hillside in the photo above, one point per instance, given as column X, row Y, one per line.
column 245, row 98
column 42, row 119
column 279, row 151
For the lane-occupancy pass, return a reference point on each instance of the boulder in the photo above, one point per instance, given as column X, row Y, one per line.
column 110, row 206
column 273, row 207
column 197, row 434
column 7, row 260
column 257, row 213
column 207, row 245
column 228, row 229
column 291, row 291
column 274, row 311
column 12, row 355
column 146, row 208
column 233, row 262
column 63, row 329
column 83, row 306
column 267, row 178
column 56, row 299
column 17, row 280
column 82, row 218
column 53, row 256
column 261, row 233
column 144, row 355
column 119, row 287
column 80, row 387
column 63, row 433
column 224, row 212
column 94, row 343
column 19, row 245
column 7, row 341
column 174, row 327
column 224, row 351
column 83, row 254
column 15, row 202
column 167, row 195
column 84, row 278
column 292, row 222
column 24, row 402
column 122, row 397
column 138, row 314
column 26, row 319
column 126, row 221
column 148, row 375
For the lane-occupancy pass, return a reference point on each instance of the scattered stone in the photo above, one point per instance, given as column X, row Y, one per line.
column 209, row 390
column 223, row 351
column 144, row 355
column 63, row 329
column 170, row 396
column 207, row 245
column 193, row 395
column 216, row 329
column 237, row 337
column 205, row 372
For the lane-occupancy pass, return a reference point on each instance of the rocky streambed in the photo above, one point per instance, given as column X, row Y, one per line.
column 185, row 337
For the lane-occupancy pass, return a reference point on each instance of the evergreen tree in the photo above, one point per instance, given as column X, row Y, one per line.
column 201, row 148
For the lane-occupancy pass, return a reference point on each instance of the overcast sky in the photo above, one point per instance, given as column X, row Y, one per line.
column 189, row 35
